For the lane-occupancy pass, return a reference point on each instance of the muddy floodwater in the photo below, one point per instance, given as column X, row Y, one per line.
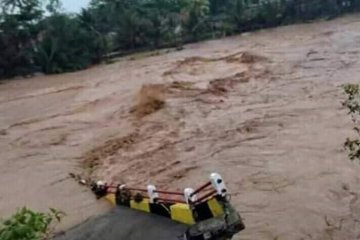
column 262, row 109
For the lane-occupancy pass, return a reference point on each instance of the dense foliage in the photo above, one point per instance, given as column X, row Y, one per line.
column 352, row 103
column 29, row 225
column 36, row 35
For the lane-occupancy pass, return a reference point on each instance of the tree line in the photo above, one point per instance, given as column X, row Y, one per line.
column 37, row 36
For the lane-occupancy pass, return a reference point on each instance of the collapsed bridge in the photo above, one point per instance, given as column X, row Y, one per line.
column 150, row 214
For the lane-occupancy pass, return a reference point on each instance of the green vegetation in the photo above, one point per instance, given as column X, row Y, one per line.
column 352, row 103
column 29, row 225
column 33, row 39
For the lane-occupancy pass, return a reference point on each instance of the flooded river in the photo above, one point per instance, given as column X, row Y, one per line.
column 262, row 109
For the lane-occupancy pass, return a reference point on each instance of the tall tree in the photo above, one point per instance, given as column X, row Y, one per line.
column 196, row 22
column 18, row 30
column 66, row 45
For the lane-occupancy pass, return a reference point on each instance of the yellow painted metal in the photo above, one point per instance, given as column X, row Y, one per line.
column 179, row 212
column 144, row 205
column 111, row 198
column 215, row 207
column 182, row 213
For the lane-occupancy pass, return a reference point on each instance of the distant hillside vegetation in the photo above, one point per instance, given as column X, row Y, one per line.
column 35, row 40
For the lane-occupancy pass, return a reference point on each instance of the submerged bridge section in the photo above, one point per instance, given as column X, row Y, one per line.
column 150, row 214
column 126, row 224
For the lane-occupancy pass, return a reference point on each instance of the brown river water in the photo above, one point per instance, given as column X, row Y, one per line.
column 262, row 109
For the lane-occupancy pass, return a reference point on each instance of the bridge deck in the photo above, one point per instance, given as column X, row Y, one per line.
column 125, row 224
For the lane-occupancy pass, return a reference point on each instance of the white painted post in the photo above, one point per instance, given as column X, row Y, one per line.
column 188, row 195
column 100, row 184
column 152, row 194
column 219, row 184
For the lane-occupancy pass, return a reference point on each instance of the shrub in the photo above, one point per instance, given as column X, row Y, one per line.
column 352, row 103
column 29, row 225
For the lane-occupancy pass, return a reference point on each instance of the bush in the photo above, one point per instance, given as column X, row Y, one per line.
column 352, row 103
column 29, row 225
